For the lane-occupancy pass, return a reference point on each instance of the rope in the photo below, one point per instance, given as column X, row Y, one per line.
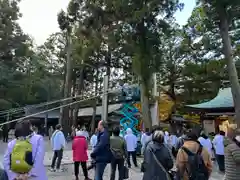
column 39, row 105
column 52, row 109
column 22, row 109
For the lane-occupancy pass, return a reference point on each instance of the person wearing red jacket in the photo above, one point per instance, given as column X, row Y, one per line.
column 80, row 147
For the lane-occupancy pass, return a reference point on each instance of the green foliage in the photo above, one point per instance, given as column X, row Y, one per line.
column 24, row 77
column 137, row 38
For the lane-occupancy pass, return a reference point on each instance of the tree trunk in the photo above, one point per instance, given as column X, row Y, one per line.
column 95, row 104
column 67, row 89
column 71, row 113
column 232, row 72
column 92, row 130
column 79, row 91
column 146, row 114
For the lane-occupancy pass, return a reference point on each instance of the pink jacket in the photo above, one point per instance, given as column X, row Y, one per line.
column 79, row 147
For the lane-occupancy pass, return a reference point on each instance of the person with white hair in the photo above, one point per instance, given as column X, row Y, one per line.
column 157, row 158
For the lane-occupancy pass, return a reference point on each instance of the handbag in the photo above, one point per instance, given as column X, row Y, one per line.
column 168, row 174
column 125, row 171
column 143, row 166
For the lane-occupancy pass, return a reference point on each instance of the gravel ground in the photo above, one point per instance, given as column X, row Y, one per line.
column 134, row 174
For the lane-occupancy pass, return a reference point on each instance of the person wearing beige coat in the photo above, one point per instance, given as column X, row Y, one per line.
column 182, row 158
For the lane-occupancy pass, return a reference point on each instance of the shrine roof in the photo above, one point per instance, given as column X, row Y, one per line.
column 222, row 100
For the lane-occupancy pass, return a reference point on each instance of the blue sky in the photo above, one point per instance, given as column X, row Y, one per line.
column 40, row 16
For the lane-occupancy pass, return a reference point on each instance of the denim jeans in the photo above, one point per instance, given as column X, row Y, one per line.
column 99, row 170
column 58, row 154
column 220, row 161
column 134, row 158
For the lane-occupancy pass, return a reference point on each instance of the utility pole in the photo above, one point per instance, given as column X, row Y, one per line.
column 45, row 124
column 46, row 116
column 48, row 99
column 105, row 99
column 8, row 119
column 155, row 112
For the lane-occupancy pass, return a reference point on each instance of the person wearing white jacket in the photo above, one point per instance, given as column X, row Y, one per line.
column 206, row 142
column 131, row 142
column 166, row 138
column 173, row 140
column 145, row 138
column 93, row 140
column 218, row 143
column 58, row 143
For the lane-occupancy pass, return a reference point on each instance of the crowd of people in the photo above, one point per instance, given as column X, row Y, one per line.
column 165, row 155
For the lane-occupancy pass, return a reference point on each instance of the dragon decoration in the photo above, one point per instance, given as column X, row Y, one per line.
column 129, row 120
column 130, row 113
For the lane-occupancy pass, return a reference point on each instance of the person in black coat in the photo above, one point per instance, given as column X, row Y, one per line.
column 157, row 158
column 5, row 131
column 101, row 154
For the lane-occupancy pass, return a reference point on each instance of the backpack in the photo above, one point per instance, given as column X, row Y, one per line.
column 21, row 157
column 198, row 169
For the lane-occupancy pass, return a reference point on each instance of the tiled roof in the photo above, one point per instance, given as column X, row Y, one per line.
column 222, row 100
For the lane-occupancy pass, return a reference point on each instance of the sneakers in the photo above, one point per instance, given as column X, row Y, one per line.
column 52, row 170
column 56, row 170
column 59, row 170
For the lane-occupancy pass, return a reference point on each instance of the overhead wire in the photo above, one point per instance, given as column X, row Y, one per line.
column 55, row 108
column 35, row 106
column 22, row 109
column 12, row 109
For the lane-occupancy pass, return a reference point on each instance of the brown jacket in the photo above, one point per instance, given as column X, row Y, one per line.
column 182, row 157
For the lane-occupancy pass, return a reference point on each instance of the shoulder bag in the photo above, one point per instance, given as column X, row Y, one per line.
column 169, row 177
